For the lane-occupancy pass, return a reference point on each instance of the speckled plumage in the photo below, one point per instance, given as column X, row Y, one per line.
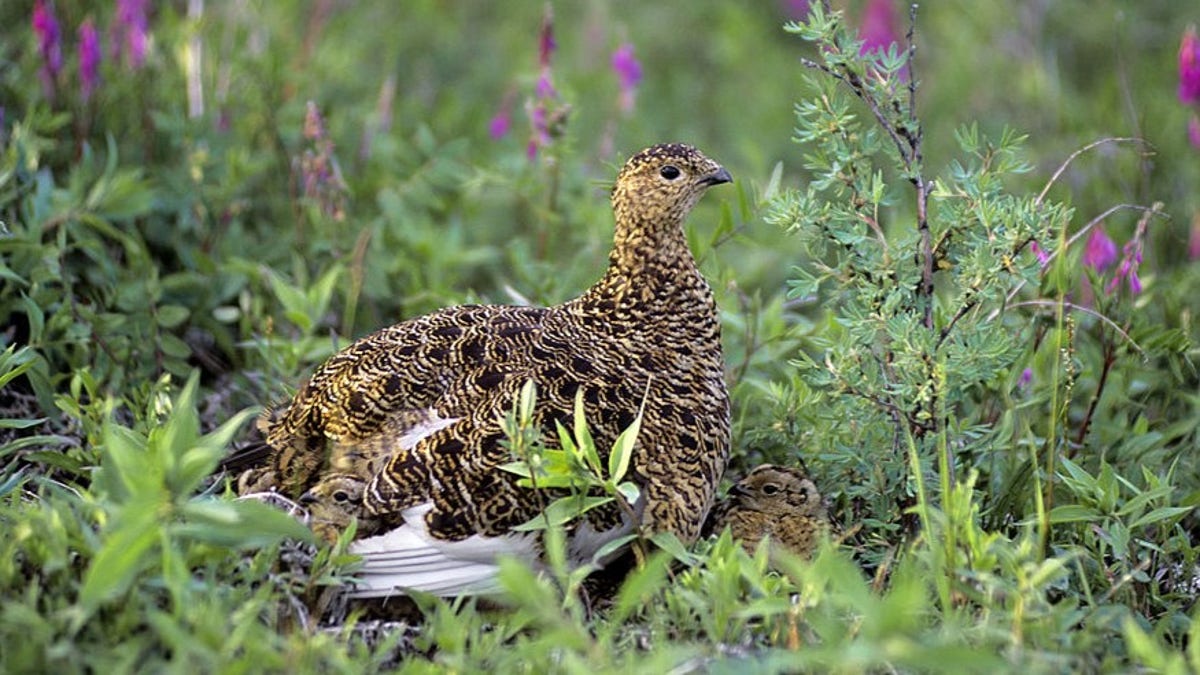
column 333, row 501
column 772, row 501
column 649, row 322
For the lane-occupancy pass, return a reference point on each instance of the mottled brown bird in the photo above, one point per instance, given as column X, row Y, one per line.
column 333, row 502
column 772, row 501
column 648, row 327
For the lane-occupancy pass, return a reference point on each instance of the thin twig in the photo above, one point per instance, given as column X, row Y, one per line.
column 1070, row 158
column 1086, row 310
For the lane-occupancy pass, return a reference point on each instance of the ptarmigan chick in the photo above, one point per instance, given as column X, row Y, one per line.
column 773, row 501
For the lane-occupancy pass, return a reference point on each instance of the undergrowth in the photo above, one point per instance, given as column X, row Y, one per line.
column 999, row 405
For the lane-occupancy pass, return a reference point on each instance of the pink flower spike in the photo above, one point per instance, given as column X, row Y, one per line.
column 129, row 32
column 1135, row 284
column 499, row 124
column 544, row 87
column 89, row 58
column 796, row 9
column 1042, row 256
column 629, row 74
column 1194, row 132
column 1100, row 252
column 49, row 39
column 878, row 30
column 1189, row 67
column 546, row 43
column 1026, row 378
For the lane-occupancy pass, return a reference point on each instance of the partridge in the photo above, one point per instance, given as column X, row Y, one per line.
column 775, row 502
column 647, row 329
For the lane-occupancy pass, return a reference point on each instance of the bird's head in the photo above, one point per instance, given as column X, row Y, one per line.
column 659, row 185
column 337, row 490
column 778, row 490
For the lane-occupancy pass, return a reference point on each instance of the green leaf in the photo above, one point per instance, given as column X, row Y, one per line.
column 630, row 491
column 563, row 510
column 20, row 424
column 123, row 554
column 171, row 316
column 612, row 547
column 243, row 523
column 1074, row 513
column 622, row 451
column 1159, row 514
column 668, row 542
column 583, row 437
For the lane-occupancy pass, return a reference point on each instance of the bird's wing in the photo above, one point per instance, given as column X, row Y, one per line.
column 408, row 558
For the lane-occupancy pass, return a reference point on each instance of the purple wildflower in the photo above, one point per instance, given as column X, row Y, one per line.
column 541, row 129
column 544, row 87
column 499, row 124
column 796, row 9
column 89, row 58
column 129, row 32
column 1189, row 67
column 546, row 43
column 320, row 176
column 541, row 117
column 879, row 26
column 1194, row 132
column 629, row 75
column 1026, row 378
column 1131, row 258
column 49, row 38
column 1042, row 256
column 1100, row 252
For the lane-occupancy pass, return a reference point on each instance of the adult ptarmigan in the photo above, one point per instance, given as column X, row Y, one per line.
column 423, row 400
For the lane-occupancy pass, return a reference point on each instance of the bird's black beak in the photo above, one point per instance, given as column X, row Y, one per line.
column 308, row 498
column 717, row 177
column 737, row 490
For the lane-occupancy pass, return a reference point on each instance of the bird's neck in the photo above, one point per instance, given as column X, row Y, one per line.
column 647, row 266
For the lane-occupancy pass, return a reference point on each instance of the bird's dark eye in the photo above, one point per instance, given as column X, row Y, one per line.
column 770, row 490
column 670, row 172
column 341, row 496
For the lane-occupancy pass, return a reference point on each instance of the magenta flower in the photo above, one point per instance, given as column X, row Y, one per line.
column 1194, row 132
column 89, row 58
column 1189, row 67
column 538, row 108
column 1026, row 378
column 879, row 26
column 546, row 43
column 540, row 129
column 1130, row 259
column 1042, row 256
column 319, row 173
column 49, row 39
column 499, row 124
column 629, row 75
column 1100, row 252
column 129, row 32
column 796, row 9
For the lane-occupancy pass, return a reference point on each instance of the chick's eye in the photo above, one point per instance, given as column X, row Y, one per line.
column 670, row 172
column 770, row 489
column 340, row 496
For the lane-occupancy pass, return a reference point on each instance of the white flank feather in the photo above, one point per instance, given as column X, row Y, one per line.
column 408, row 558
